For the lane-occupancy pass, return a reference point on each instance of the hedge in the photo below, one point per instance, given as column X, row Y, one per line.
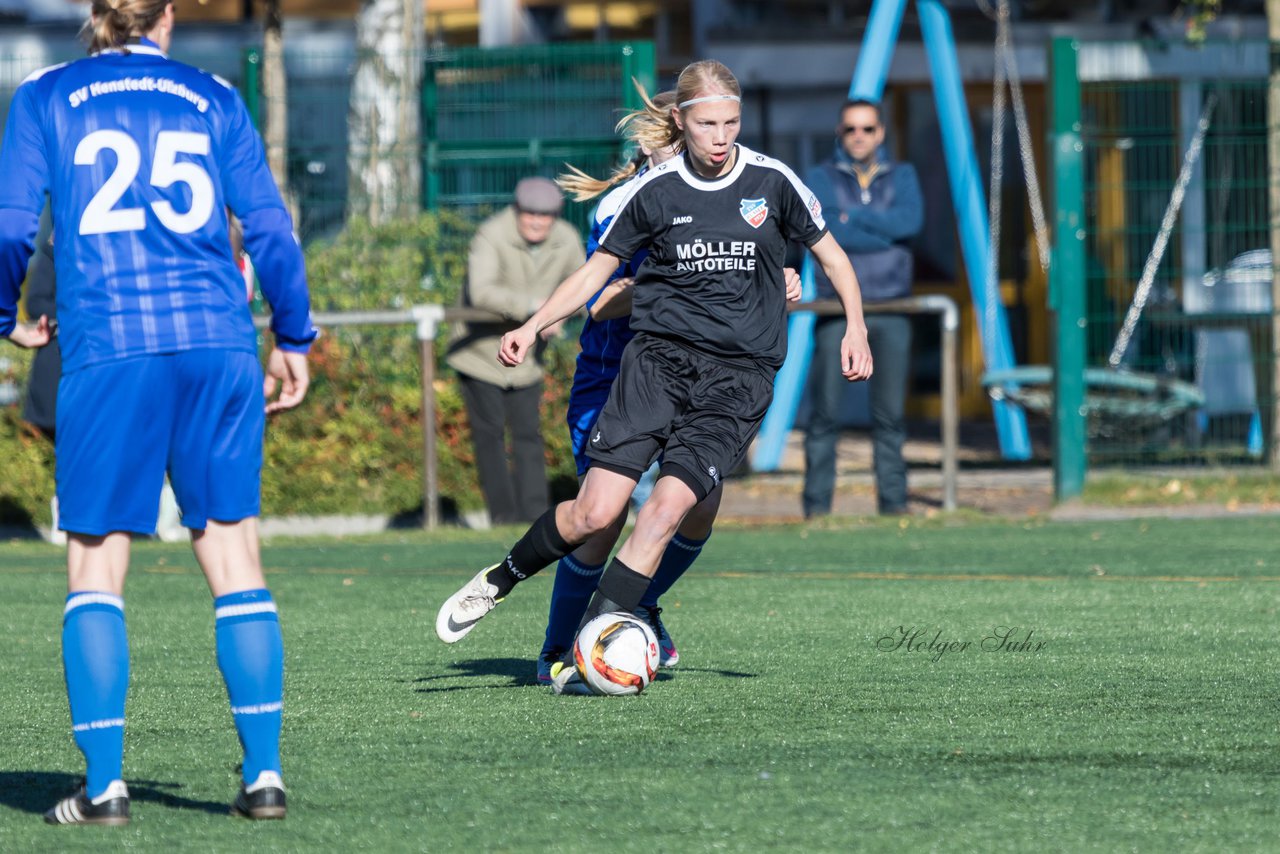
column 355, row 444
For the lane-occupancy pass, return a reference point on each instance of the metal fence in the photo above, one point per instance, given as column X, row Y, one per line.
column 488, row 116
column 1163, row 273
column 493, row 116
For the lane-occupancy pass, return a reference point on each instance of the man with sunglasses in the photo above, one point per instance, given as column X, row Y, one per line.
column 873, row 207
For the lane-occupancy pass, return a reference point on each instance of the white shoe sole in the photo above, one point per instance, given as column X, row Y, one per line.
column 451, row 630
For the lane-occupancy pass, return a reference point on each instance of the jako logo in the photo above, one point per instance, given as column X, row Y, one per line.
column 682, row 220
column 596, row 437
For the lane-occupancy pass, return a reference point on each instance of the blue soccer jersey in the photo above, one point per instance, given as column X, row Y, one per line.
column 142, row 156
column 604, row 340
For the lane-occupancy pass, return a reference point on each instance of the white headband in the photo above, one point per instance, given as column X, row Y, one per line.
column 705, row 98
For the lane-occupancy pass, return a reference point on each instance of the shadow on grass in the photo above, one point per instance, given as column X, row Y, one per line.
column 727, row 674
column 36, row 791
column 521, row 673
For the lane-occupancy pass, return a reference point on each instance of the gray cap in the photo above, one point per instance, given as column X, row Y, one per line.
column 539, row 195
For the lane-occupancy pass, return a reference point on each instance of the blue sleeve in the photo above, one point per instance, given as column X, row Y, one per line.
column 598, row 227
column 22, row 194
column 17, row 242
column 251, row 192
column 277, row 259
column 905, row 217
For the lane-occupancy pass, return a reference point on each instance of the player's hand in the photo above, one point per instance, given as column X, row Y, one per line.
column 855, row 355
column 288, row 372
column 31, row 335
column 793, row 282
column 614, row 300
column 517, row 344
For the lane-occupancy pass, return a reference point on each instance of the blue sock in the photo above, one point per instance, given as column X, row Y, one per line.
column 680, row 554
column 251, row 658
column 95, row 655
column 575, row 582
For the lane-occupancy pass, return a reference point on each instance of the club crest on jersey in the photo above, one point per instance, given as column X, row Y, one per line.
column 754, row 211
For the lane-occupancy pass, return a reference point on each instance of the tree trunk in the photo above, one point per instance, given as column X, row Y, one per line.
column 276, row 101
column 1273, row 184
column 384, row 137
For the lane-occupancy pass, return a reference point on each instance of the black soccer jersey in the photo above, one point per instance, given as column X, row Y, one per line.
column 713, row 278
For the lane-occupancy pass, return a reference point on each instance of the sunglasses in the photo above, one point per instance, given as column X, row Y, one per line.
column 867, row 129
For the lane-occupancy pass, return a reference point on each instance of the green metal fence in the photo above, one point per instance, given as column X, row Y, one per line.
column 489, row 117
column 1162, row 242
column 493, row 116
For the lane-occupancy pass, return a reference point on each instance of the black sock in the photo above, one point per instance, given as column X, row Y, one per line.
column 540, row 547
column 620, row 589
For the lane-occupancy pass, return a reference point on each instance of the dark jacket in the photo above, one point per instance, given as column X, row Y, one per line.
column 40, row 404
column 872, row 226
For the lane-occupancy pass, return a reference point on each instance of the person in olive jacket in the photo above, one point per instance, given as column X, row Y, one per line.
column 518, row 256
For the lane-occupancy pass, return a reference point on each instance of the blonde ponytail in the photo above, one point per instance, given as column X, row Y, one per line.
column 641, row 127
column 113, row 22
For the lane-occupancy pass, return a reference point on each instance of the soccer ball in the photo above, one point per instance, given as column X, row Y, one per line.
column 616, row 654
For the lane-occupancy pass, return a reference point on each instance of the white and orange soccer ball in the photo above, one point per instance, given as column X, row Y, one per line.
column 616, row 654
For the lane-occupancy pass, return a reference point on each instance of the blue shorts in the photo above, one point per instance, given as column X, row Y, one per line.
column 197, row 414
column 584, row 405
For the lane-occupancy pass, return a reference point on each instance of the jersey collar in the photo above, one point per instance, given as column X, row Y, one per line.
column 142, row 44
column 715, row 183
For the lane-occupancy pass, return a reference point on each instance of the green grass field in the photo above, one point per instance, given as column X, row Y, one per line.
column 1146, row 720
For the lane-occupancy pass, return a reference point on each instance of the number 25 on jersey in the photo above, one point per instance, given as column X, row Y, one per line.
column 101, row 216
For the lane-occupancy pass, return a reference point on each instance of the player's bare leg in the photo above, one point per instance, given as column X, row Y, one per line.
column 658, row 521
column 680, row 554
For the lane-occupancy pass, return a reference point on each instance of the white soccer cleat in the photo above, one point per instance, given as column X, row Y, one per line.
column 461, row 611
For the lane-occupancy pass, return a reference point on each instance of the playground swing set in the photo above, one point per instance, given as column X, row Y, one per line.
column 1114, row 394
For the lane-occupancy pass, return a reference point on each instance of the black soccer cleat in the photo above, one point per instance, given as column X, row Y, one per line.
column 264, row 799
column 109, row 808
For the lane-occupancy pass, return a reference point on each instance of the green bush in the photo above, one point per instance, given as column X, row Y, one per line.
column 26, row 470
column 355, row 444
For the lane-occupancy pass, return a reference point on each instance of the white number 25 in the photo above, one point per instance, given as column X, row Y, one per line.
column 101, row 216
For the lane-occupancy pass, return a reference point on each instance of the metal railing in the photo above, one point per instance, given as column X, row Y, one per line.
column 949, row 321
column 426, row 320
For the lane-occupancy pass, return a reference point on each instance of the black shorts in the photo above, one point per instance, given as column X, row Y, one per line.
column 699, row 413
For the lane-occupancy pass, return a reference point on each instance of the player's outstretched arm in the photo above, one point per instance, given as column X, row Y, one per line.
column 569, row 296
column 855, row 352
column 288, row 372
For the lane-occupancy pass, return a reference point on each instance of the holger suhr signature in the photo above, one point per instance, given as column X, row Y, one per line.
column 933, row 643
